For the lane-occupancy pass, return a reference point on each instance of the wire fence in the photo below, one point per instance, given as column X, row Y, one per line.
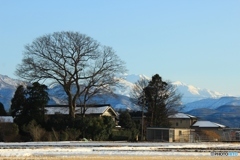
column 231, row 134
column 225, row 135
column 194, row 136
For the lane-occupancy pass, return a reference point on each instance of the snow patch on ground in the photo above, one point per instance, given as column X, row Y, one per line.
column 109, row 148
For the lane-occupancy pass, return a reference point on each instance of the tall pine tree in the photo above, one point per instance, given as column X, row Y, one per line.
column 17, row 101
column 160, row 101
column 2, row 110
column 37, row 98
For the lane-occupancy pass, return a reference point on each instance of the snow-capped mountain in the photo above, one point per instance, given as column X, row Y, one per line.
column 123, row 93
column 192, row 93
column 189, row 93
column 133, row 78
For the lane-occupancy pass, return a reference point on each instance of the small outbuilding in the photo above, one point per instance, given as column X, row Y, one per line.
column 169, row 134
column 208, row 131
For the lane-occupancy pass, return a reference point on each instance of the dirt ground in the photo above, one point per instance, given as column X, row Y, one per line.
column 123, row 158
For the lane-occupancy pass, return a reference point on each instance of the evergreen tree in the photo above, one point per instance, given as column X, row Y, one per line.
column 2, row 110
column 28, row 103
column 97, row 128
column 18, row 101
column 160, row 101
column 125, row 120
column 37, row 98
column 129, row 126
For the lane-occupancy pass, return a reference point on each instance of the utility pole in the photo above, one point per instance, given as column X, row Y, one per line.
column 142, row 123
column 142, row 102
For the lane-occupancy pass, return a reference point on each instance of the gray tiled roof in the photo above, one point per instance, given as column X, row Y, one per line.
column 208, row 124
column 181, row 115
column 78, row 110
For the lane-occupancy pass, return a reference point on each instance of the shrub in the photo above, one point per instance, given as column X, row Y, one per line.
column 97, row 128
column 124, row 135
column 72, row 134
column 36, row 131
column 63, row 136
column 9, row 132
column 211, row 135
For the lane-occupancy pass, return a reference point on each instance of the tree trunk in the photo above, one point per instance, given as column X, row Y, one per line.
column 71, row 106
column 72, row 111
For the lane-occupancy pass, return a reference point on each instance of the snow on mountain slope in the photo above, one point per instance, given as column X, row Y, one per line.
column 57, row 95
column 119, row 101
column 123, row 88
column 191, row 93
column 8, row 87
column 7, row 82
column 133, row 78
column 212, row 103
column 227, row 115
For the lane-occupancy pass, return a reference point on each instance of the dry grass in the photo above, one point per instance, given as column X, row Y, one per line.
column 122, row 158
column 211, row 134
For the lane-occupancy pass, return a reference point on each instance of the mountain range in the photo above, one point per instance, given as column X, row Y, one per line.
column 203, row 103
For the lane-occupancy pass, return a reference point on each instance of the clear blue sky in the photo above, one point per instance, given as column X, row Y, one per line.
column 196, row 42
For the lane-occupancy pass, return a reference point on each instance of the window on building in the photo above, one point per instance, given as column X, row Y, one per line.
column 180, row 132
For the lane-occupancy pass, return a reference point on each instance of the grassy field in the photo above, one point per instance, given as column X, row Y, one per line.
column 122, row 158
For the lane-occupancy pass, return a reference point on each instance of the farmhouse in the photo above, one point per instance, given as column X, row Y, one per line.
column 182, row 120
column 90, row 110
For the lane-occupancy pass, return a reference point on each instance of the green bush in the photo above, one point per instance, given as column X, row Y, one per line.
column 124, row 135
column 97, row 128
column 120, row 135
column 72, row 134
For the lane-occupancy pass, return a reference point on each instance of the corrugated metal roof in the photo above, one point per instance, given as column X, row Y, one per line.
column 181, row 115
column 208, row 124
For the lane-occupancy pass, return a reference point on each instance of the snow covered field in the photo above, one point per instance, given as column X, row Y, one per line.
column 77, row 149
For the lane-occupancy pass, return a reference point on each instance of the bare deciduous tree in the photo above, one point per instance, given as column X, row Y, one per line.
column 75, row 61
column 137, row 94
